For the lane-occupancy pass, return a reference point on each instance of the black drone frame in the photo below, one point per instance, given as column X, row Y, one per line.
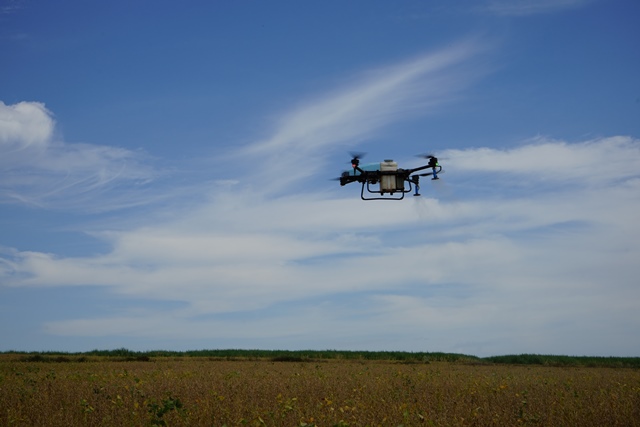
column 402, row 176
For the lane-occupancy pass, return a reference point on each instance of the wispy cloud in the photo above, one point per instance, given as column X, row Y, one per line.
column 39, row 169
column 347, row 116
column 531, row 7
column 11, row 6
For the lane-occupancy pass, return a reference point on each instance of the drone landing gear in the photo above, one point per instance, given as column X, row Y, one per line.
column 401, row 191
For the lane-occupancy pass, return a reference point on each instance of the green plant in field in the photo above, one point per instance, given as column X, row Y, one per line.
column 158, row 411
column 523, row 415
column 86, row 407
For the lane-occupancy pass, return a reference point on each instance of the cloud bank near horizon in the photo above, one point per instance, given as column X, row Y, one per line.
column 561, row 260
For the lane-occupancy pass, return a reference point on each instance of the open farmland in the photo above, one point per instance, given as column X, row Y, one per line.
column 201, row 391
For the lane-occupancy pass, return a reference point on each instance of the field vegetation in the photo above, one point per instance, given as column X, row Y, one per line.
column 258, row 388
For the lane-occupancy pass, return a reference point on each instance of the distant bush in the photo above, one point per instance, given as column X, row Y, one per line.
column 55, row 359
column 553, row 360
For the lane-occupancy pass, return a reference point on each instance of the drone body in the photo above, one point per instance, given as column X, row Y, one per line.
column 385, row 180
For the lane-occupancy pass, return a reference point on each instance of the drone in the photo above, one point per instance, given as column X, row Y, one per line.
column 385, row 180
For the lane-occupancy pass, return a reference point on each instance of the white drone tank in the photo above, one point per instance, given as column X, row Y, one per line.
column 388, row 182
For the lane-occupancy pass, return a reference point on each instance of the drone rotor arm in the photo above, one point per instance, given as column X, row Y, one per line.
column 436, row 170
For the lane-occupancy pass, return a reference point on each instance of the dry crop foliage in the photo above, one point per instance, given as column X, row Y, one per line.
column 201, row 392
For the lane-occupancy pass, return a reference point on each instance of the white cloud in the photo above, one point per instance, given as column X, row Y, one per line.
column 23, row 125
column 596, row 161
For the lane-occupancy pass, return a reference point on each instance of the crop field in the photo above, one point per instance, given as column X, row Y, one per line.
column 208, row 391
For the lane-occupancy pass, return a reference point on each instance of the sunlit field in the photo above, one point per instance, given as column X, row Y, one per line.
column 294, row 391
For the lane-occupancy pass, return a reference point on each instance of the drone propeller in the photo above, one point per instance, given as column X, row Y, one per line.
column 433, row 160
column 356, row 156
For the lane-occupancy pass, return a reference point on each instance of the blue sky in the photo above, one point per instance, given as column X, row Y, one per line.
column 165, row 176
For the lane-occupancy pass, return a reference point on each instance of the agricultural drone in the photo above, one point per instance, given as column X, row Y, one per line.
column 389, row 177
